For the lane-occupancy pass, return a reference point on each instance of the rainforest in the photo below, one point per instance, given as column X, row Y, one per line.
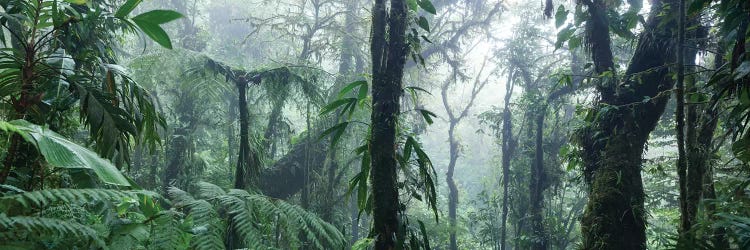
column 375, row 124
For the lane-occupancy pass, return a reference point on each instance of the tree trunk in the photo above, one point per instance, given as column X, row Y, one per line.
column 453, row 190
column 536, row 188
column 613, row 144
column 248, row 165
column 176, row 165
column 507, row 135
column 682, row 164
column 231, row 129
column 388, row 58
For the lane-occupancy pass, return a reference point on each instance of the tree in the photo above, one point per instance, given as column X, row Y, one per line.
column 454, row 118
column 388, row 59
column 614, row 141
column 56, row 51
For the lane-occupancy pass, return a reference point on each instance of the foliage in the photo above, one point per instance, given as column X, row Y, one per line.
column 62, row 153
column 259, row 220
column 61, row 53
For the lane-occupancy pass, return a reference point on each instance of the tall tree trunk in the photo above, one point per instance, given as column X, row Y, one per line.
column 453, row 190
column 682, row 164
column 613, row 144
column 231, row 129
column 537, row 186
column 700, row 155
column 21, row 155
column 388, row 58
column 248, row 165
column 507, row 137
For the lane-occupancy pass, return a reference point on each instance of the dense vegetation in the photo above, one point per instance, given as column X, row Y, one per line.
column 384, row 124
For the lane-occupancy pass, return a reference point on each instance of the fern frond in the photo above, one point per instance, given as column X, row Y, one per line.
column 261, row 222
column 208, row 228
column 167, row 232
column 46, row 197
column 19, row 227
column 208, row 190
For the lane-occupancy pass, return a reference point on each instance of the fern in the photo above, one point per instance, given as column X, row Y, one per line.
column 208, row 229
column 34, row 229
column 46, row 197
column 167, row 231
column 259, row 221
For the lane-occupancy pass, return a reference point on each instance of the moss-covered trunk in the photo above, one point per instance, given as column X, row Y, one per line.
column 507, row 151
column 613, row 143
column 388, row 58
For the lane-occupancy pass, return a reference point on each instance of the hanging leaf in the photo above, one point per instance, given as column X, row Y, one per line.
column 149, row 23
column 742, row 70
column 78, row 2
column 338, row 103
column 412, row 5
column 427, row 115
column 337, row 131
column 561, row 16
column 158, row 16
column 422, row 22
column 126, row 8
column 415, row 89
column 62, row 153
column 349, row 87
column 564, row 35
column 427, row 6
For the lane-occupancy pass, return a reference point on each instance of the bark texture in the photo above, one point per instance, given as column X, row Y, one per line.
column 388, row 58
column 614, row 142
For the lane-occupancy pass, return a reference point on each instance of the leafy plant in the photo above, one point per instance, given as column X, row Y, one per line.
column 260, row 221
column 59, row 152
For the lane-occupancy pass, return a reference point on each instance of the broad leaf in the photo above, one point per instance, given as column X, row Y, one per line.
column 422, row 22
column 126, row 8
column 158, row 16
column 78, row 2
column 427, row 6
column 62, row 153
column 149, row 23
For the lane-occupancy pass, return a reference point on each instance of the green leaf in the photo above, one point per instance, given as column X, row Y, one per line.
column 561, row 16
column 362, row 92
column 414, row 89
column 349, row 87
column 78, row 2
column 412, row 5
column 149, row 23
column 158, row 16
column 62, row 153
column 336, row 104
column 126, row 8
column 155, row 32
column 427, row 115
column 427, row 6
column 564, row 35
column 337, row 131
column 425, row 237
column 742, row 70
column 422, row 22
